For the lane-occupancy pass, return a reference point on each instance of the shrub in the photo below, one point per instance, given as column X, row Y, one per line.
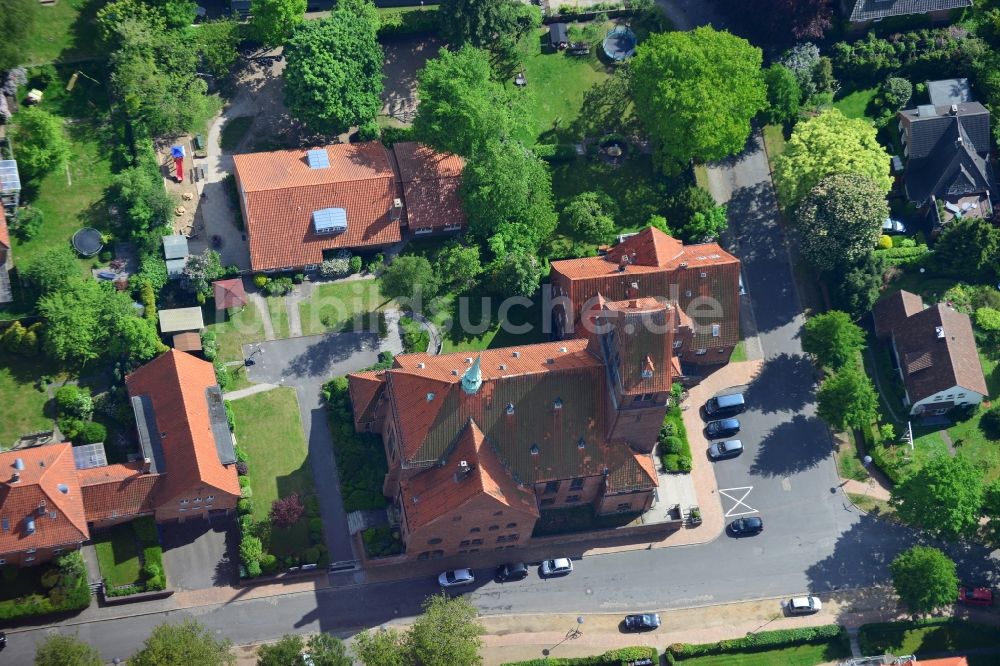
column 247, row 524
column 673, row 445
column 382, row 541
column 260, row 281
column 407, row 21
column 415, row 338
column 760, row 641
column 618, row 657
column 369, row 131
column 989, row 422
column 286, row 511
column 312, row 506
column 242, row 469
column 251, row 550
column 241, row 455
column 49, row 578
column 75, row 401
column 355, row 264
column 335, row 268
column 92, row 433
column 268, row 563
column 27, row 223
column 311, row 555
column 279, row 286
column 244, row 482
column 244, row 506
column 375, row 263
column 885, row 242
column 209, row 345
column 222, row 376
column 298, row 278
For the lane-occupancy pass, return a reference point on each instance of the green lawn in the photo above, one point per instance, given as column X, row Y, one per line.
column 72, row 196
column 279, row 316
column 458, row 337
column 269, row 429
column 774, row 142
column 23, row 402
column 118, row 556
column 937, row 635
column 800, row 655
column 557, row 82
column 332, row 306
column 238, row 328
column 64, row 31
column 855, row 104
column 739, row 352
column 848, row 464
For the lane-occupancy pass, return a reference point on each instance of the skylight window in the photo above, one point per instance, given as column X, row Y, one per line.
column 318, row 159
column 330, row 220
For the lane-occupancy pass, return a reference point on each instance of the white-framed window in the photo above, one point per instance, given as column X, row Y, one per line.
column 937, row 397
column 185, row 501
column 5, row 524
column 182, row 510
column 210, row 498
column 950, row 396
column 197, row 499
column 57, row 551
column 311, row 267
column 716, row 330
column 961, row 395
column 29, row 558
column 53, row 515
column 30, row 550
column 700, row 352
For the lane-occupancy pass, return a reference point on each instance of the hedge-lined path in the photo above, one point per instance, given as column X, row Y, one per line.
column 250, row 390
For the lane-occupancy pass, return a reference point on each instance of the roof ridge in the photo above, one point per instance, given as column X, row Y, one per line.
column 312, row 185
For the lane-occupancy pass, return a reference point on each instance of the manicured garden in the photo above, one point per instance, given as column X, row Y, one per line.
column 64, row 30
column 796, row 655
column 675, row 451
column 929, row 636
column 130, row 558
column 23, row 397
column 333, row 306
column 361, row 462
column 619, row 657
column 44, row 589
column 806, row 646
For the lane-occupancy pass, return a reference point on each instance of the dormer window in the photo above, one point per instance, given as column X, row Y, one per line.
column 430, row 396
column 557, row 404
column 534, row 450
column 716, row 330
column 328, row 221
column 510, row 408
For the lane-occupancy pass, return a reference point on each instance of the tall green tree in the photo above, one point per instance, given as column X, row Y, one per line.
column 840, row 220
column 51, row 270
column 446, row 633
column 17, row 18
column 141, row 197
column 707, row 82
column 216, row 42
column 991, row 509
column 828, row 144
column 833, row 339
column 495, row 25
column 73, row 321
column 507, row 192
column 855, row 288
column 327, row 650
column 847, row 399
column 135, row 339
column 945, row 497
column 458, row 265
column 382, row 647
column 516, row 274
column 588, row 218
column 333, row 76
column 461, row 105
column 925, row 579
column 783, row 94
column 40, row 142
column 200, row 270
column 969, row 248
column 186, row 643
column 66, row 650
column 273, row 20
column 285, row 652
column 409, row 277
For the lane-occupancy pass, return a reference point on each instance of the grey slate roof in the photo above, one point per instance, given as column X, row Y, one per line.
column 948, row 154
column 949, row 91
column 871, row 10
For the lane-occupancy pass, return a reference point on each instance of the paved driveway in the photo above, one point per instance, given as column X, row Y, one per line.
column 199, row 554
column 305, row 364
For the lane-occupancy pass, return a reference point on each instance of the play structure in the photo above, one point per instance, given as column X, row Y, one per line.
column 619, row 43
column 87, row 241
column 177, row 152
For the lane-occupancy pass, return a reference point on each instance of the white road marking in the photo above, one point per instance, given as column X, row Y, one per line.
column 738, row 501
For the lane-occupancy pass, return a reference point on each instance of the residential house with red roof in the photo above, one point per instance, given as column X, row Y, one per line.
column 479, row 446
column 51, row 496
column 6, row 294
column 702, row 280
column 298, row 204
column 935, row 353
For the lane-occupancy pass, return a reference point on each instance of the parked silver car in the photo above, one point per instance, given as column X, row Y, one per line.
column 456, row 578
column 729, row 448
column 804, row 605
column 556, row 567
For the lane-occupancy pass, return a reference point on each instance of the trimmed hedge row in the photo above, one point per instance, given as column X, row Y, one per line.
column 407, row 21
column 903, row 256
column 879, row 637
column 361, row 462
column 765, row 640
column 69, row 591
column 619, row 657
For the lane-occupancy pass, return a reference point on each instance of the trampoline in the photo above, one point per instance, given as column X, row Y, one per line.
column 619, row 43
column 87, row 241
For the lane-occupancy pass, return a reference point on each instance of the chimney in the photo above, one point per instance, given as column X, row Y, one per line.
column 147, row 464
column 15, row 477
column 939, row 332
column 623, row 263
column 464, row 469
column 954, row 109
column 18, row 463
column 397, row 209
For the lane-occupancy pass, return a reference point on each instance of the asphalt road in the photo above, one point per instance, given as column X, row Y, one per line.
column 812, row 539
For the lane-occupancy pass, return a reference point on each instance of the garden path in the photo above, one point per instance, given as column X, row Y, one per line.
column 260, row 303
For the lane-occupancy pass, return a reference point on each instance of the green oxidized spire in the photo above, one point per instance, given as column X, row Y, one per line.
column 473, row 377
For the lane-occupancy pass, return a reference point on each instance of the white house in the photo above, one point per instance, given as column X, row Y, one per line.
column 935, row 353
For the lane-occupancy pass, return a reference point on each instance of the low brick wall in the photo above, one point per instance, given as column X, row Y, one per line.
column 283, row 577
column 135, row 598
column 653, row 532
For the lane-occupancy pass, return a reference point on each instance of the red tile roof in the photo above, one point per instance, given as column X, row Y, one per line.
column 696, row 277
column 282, row 192
column 187, row 342
column 119, row 490
column 433, row 493
column 643, row 340
column 229, row 293
column 48, row 486
column 176, row 384
column 892, row 310
column 365, row 388
column 943, row 661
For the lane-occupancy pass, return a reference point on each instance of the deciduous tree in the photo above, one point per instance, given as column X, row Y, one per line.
column 833, row 339
column 382, row 647
column 495, row 25
column 327, row 650
column 507, row 192
column 707, row 82
column 840, row 220
column 216, row 43
column 446, row 633
column 17, row 18
column 285, row 652
column 847, row 399
column 41, row 142
column 201, row 269
column 185, row 643
column 516, row 274
column 945, row 497
column 783, row 94
column 783, row 21
column 855, row 288
column 827, row 144
column 458, row 265
column 969, row 248
column 286, row 511
column 587, row 216
column 409, row 277
column 51, row 270
column 461, row 105
column 925, row 579
column 333, row 76
column 66, row 650
column 274, row 20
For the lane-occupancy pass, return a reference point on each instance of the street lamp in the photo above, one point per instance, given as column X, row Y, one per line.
column 250, row 361
column 579, row 623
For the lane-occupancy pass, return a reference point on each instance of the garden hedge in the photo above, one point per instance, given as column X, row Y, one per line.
column 408, row 21
column 872, row 637
column 619, row 657
column 765, row 640
column 361, row 463
column 71, row 592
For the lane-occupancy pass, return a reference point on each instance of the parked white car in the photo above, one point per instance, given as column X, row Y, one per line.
column 456, row 578
column 804, row 605
column 891, row 226
column 557, row 567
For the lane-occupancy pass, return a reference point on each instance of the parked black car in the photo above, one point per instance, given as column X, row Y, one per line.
column 746, row 526
column 722, row 428
column 642, row 622
column 514, row 571
column 725, row 405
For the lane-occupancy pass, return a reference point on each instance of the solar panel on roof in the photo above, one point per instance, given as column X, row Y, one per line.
column 89, row 456
column 10, row 181
column 330, row 220
column 318, row 159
